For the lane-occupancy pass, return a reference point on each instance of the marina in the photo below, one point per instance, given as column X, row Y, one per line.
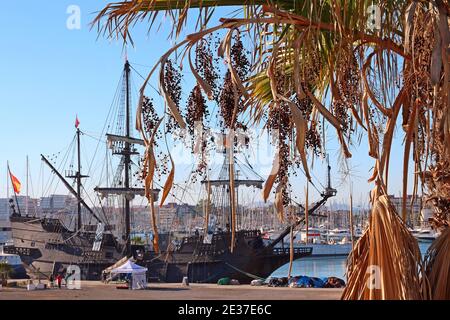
column 47, row 247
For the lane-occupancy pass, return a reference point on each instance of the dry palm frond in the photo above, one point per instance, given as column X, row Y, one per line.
column 154, row 224
column 437, row 178
column 350, row 220
column 272, row 177
column 307, row 211
column 148, row 176
column 291, row 251
column 357, row 267
column 279, row 204
column 300, row 139
column 169, row 183
column 386, row 261
column 232, row 201
column 121, row 16
column 207, row 206
column 437, row 266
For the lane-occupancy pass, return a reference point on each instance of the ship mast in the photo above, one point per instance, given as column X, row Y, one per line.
column 27, row 195
column 78, row 176
column 243, row 175
column 328, row 193
column 7, row 189
column 79, row 180
column 123, row 145
column 127, row 158
column 69, row 187
column 15, row 194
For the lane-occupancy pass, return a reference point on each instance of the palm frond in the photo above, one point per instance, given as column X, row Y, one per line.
column 121, row 16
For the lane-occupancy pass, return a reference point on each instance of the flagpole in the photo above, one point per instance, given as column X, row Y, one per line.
column 26, row 199
column 7, row 188
column 15, row 194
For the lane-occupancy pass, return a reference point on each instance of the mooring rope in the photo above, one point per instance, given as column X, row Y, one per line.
column 245, row 273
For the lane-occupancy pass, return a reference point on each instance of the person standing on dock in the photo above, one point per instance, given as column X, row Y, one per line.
column 51, row 280
column 59, row 280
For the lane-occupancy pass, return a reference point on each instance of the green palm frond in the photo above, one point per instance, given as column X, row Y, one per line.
column 120, row 16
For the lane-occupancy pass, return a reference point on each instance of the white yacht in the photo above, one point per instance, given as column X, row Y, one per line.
column 12, row 259
column 425, row 235
column 338, row 243
column 15, row 262
column 340, row 236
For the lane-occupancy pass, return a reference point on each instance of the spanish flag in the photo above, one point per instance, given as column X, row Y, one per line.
column 16, row 183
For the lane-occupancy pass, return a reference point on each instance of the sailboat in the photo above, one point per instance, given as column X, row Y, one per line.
column 217, row 253
column 48, row 246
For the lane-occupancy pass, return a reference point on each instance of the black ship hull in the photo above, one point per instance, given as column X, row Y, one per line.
column 18, row 272
column 46, row 247
column 207, row 263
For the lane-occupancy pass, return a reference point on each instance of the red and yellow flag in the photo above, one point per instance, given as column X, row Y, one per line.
column 16, row 183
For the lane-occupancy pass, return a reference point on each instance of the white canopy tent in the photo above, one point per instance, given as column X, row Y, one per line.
column 116, row 265
column 138, row 274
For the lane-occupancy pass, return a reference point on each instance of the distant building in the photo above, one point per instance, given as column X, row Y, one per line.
column 413, row 211
column 167, row 217
column 141, row 219
column 5, row 233
column 4, row 207
column 178, row 217
column 57, row 203
column 5, row 226
column 339, row 219
column 426, row 214
column 19, row 203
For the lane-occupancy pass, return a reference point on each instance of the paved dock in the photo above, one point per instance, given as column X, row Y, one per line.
column 91, row 290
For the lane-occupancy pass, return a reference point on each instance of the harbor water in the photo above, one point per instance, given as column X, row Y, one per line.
column 324, row 266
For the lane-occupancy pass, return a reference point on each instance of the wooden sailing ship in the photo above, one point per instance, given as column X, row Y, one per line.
column 207, row 257
column 47, row 246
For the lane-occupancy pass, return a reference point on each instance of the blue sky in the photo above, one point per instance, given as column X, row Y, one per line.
column 50, row 73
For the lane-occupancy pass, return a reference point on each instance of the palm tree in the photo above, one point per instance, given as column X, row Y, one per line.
column 137, row 240
column 5, row 272
column 358, row 65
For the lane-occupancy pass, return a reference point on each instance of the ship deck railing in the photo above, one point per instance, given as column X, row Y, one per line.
column 220, row 236
column 301, row 250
